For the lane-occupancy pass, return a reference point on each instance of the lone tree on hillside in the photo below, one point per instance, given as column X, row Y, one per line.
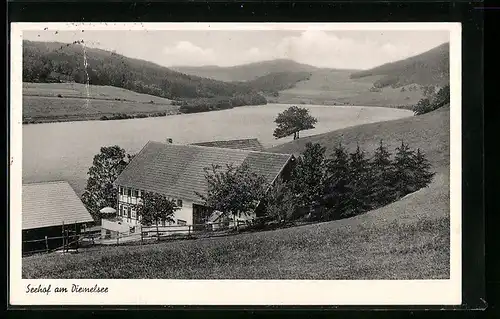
column 156, row 208
column 233, row 190
column 100, row 191
column 292, row 121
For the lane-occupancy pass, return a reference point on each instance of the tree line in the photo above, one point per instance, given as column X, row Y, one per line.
column 432, row 101
column 346, row 183
column 57, row 62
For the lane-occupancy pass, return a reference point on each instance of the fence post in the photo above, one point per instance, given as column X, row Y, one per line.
column 142, row 236
column 189, row 230
column 63, row 238
column 118, row 239
column 46, row 244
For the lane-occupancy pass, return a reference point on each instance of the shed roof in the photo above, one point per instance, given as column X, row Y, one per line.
column 251, row 144
column 178, row 170
column 51, row 204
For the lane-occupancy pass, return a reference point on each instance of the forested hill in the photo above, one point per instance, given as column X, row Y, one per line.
column 247, row 72
column 429, row 68
column 61, row 62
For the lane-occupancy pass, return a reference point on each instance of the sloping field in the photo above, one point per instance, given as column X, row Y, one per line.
column 365, row 247
column 49, row 102
column 408, row 239
column 336, row 87
column 78, row 90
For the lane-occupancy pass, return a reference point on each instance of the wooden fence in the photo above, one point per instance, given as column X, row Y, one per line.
column 74, row 240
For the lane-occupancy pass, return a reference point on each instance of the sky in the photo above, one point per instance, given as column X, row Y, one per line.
column 329, row 49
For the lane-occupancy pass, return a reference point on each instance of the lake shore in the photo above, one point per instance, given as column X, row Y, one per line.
column 142, row 115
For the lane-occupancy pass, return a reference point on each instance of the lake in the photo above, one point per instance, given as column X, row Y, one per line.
column 64, row 151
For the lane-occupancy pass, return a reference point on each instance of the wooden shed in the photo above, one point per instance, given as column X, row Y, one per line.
column 46, row 208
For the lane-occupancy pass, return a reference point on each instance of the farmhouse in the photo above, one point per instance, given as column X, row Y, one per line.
column 250, row 144
column 47, row 208
column 178, row 172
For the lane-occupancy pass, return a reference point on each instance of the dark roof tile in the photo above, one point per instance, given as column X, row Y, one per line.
column 251, row 144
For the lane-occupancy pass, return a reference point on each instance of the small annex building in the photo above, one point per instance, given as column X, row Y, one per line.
column 249, row 144
column 46, row 208
column 178, row 172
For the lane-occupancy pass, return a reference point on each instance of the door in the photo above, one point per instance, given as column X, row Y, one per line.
column 200, row 216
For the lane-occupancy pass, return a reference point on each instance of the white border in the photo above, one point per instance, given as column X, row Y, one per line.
column 241, row 292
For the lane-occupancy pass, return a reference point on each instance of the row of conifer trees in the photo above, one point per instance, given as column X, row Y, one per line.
column 347, row 184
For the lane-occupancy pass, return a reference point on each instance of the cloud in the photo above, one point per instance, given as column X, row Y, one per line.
column 314, row 47
column 187, row 53
column 330, row 50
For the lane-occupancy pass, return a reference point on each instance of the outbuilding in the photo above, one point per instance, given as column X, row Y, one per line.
column 48, row 209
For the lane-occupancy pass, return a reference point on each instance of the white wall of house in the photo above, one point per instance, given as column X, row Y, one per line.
column 128, row 197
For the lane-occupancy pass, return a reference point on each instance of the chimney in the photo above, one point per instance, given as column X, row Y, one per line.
column 169, row 141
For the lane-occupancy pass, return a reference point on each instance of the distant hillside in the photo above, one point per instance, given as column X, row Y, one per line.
column 246, row 72
column 62, row 62
column 429, row 68
column 274, row 82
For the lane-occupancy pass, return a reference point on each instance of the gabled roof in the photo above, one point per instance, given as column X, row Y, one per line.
column 251, row 144
column 51, row 204
column 178, row 170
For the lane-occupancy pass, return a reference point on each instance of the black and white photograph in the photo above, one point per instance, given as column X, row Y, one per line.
column 238, row 157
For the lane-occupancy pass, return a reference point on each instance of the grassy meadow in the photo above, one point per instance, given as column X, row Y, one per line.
column 334, row 87
column 348, row 249
column 55, row 102
column 407, row 239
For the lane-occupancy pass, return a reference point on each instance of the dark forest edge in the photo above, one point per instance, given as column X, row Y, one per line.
column 52, row 62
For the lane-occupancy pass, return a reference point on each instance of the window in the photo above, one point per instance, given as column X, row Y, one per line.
column 129, row 192
column 179, row 203
column 129, row 212
column 120, row 212
column 181, row 222
column 136, row 193
column 133, row 214
column 121, row 190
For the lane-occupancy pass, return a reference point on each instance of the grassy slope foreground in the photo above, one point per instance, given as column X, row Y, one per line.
column 49, row 102
column 408, row 239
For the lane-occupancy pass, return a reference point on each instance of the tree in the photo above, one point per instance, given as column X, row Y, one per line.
column 280, row 203
column 336, row 183
column 423, row 106
column 292, row 121
column 423, row 175
column 404, row 168
column 307, row 177
column 382, row 190
column 156, row 208
column 442, row 97
column 233, row 190
column 100, row 191
column 359, row 183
